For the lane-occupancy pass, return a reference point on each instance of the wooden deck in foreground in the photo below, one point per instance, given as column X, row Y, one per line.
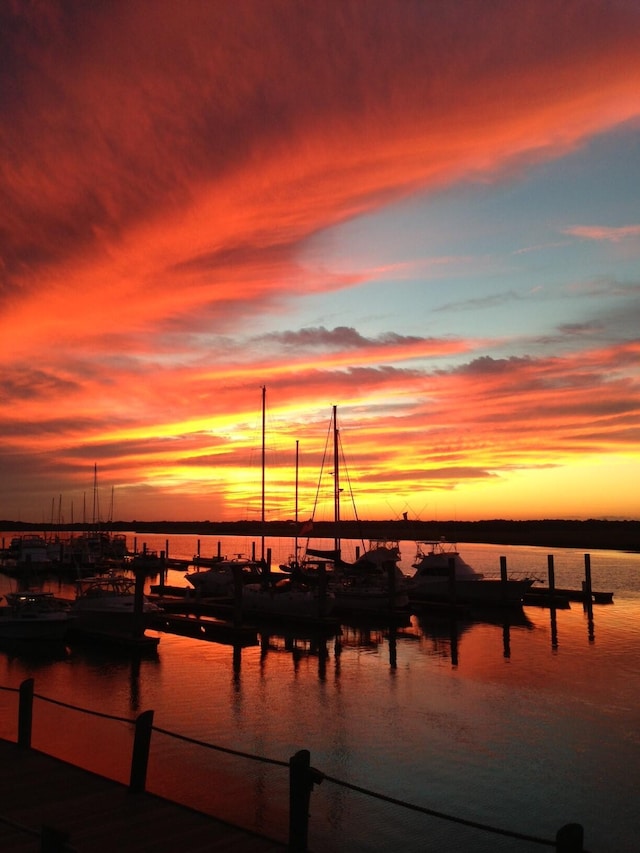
column 102, row 816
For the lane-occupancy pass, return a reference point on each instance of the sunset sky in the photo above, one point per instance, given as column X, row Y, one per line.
column 425, row 213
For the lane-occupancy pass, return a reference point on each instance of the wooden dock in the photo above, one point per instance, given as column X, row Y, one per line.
column 560, row 597
column 98, row 815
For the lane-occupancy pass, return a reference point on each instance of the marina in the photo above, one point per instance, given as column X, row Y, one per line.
column 510, row 705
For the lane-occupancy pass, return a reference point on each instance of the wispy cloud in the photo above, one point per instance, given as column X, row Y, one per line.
column 604, row 233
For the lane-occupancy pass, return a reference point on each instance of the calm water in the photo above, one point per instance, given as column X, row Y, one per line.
column 523, row 726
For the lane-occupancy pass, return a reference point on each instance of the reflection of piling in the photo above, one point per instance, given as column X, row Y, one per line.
column 237, row 660
column 506, row 640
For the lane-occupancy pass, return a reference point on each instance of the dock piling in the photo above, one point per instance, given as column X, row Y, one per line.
column 551, row 572
column 586, row 584
column 503, row 577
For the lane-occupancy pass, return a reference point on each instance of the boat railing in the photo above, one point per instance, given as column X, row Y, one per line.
column 303, row 779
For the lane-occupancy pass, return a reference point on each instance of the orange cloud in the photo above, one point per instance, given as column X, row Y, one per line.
column 163, row 172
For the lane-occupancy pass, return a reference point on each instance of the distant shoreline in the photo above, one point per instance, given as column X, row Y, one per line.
column 551, row 533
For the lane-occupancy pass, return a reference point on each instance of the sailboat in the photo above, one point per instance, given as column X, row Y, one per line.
column 373, row 583
column 280, row 595
column 217, row 579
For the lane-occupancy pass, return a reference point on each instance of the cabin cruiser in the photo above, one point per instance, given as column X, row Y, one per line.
column 443, row 575
column 106, row 604
column 33, row 615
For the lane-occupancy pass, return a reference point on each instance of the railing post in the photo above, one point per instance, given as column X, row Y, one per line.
column 570, row 839
column 301, row 780
column 53, row 840
column 140, row 756
column 25, row 713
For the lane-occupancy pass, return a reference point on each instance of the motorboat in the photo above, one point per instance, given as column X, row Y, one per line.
column 29, row 551
column 443, row 575
column 33, row 615
column 109, row 604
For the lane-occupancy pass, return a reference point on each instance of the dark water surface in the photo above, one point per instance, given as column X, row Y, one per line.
column 523, row 725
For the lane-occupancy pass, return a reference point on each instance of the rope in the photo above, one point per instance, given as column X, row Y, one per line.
column 442, row 815
column 84, row 710
column 224, row 749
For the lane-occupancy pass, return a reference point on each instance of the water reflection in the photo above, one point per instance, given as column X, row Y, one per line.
column 34, row 654
column 522, row 720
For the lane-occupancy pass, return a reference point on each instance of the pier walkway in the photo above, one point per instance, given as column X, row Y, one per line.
column 101, row 816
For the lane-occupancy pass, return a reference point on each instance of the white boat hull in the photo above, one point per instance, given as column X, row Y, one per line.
column 483, row 591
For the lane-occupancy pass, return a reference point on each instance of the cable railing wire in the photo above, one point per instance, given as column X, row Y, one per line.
column 317, row 775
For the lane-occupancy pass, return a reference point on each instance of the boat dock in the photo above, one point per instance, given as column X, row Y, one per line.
column 545, row 594
column 66, row 808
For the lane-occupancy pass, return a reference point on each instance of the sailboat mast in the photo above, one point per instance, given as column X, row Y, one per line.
column 262, row 516
column 95, row 493
column 295, row 550
column 336, row 481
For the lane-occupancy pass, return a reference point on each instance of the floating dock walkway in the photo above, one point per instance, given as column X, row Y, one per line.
column 47, row 801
